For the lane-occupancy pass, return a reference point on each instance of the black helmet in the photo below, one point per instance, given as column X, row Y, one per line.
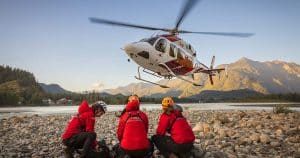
column 100, row 105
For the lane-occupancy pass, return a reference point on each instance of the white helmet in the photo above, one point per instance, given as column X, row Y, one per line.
column 101, row 105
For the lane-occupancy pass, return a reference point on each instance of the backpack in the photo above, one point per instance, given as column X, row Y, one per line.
column 130, row 115
column 173, row 121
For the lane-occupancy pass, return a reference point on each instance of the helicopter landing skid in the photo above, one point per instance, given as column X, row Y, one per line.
column 179, row 77
column 141, row 79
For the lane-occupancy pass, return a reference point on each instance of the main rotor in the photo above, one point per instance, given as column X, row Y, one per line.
column 189, row 4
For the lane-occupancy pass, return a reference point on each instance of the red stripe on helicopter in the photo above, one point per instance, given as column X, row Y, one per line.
column 177, row 68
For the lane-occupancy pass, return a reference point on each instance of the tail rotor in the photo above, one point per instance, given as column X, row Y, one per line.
column 211, row 73
column 212, row 62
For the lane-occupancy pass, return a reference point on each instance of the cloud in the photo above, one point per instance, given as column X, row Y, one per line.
column 98, row 86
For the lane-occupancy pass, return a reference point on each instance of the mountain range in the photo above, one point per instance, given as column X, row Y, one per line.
column 53, row 88
column 270, row 77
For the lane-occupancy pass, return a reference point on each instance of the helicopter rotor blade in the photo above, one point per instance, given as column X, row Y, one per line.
column 234, row 34
column 184, row 11
column 116, row 23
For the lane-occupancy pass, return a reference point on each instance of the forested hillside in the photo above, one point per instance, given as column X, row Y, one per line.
column 18, row 87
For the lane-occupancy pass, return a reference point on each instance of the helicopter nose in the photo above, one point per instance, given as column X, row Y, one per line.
column 129, row 48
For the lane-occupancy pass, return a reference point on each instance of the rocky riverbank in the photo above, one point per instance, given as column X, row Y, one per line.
column 221, row 133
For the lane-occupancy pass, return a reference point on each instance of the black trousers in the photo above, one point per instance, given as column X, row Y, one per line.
column 82, row 140
column 142, row 153
column 166, row 146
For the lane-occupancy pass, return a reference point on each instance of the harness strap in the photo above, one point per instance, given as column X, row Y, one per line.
column 82, row 127
column 128, row 117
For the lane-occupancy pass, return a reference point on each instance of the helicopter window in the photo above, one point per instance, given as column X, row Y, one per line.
column 149, row 40
column 179, row 55
column 144, row 54
column 144, row 40
column 172, row 50
column 152, row 40
column 161, row 45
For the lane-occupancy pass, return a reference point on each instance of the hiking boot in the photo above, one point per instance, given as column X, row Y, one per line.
column 173, row 155
column 68, row 152
column 126, row 156
column 198, row 152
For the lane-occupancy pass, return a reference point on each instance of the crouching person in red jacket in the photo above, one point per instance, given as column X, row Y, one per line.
column 174, row 123
column 132, row 131
column 80, row 133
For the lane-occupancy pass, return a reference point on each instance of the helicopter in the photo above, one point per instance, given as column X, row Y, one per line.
column 167, row 55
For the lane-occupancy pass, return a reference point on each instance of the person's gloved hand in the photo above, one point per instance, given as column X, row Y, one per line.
column 101, row 143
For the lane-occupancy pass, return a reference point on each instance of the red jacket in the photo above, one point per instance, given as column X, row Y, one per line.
column 133, row 128
column 175, row 124
column 86, row 120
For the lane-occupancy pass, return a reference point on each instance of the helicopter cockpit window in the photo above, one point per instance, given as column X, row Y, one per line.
column 161, row 45
column 149, row 40
column 172, row 50
column 152, row 40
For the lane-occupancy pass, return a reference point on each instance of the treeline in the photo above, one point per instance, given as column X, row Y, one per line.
column 110, row 99
column 244, row 95
column 290, row 97
column 90, row 97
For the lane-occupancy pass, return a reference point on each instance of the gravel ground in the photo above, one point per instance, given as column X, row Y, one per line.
column 220, row 133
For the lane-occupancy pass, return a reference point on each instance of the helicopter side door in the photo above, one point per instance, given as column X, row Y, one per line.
column 178, row 60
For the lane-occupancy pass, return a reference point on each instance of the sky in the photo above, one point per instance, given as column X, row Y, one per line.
column 55, row 41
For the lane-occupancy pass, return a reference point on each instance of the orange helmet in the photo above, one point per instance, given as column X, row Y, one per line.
column 167, row 102
column 133, row 98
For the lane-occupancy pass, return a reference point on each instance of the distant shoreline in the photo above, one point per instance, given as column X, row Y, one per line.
column 33, row 105
column 269, row 105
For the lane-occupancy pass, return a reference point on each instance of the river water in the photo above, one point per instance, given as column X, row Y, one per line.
column 49, row 110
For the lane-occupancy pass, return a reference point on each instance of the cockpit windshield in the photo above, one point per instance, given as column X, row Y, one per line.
column 149, row 40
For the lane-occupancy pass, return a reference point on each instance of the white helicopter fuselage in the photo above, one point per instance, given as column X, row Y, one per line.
column 163, row 56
